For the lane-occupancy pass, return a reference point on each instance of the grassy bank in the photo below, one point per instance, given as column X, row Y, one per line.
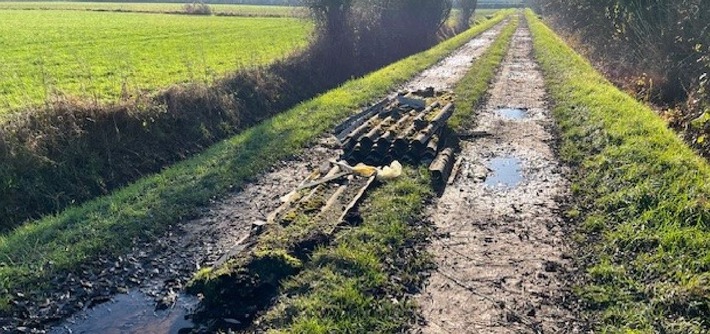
column 360, row 283
column 641, row 199
column 82, row 112
column 41, row 249
column 104, row 56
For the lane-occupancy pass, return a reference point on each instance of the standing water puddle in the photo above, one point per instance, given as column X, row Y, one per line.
column 512, row 113
column 131, row 313
column 506, row 172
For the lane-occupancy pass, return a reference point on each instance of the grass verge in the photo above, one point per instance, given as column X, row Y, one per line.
column 641, row 199
column 360, row 284
column 39, row 250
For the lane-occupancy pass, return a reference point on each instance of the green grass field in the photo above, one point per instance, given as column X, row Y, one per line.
column 218, row 9
column 98, row 54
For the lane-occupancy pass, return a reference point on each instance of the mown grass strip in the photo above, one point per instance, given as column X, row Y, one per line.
column 641, row 198
column 472, row 88
column 359, row 284
column 36, row 251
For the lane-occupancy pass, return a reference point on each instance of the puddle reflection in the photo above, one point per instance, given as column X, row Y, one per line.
column 131, row 313
column 512, row 113
column 506, row 172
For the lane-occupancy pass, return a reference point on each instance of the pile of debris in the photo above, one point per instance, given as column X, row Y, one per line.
column 406, row 127
column 409, row 127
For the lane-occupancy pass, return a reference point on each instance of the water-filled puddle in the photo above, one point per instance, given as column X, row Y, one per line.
column 512, row 113
column 131, row 313
column 506, row 172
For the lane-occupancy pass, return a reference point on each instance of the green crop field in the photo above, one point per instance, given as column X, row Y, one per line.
column 219, row 9
column 101, row 54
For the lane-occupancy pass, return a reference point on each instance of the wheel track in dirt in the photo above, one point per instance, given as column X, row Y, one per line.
column 500, row 250
column 163, row 267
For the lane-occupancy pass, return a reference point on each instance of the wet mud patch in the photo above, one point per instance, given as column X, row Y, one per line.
column 512, row 113
column 500, row 241
column 133, row 312
column 505, row 172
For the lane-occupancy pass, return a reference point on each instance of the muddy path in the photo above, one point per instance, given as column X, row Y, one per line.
column 500, row 239
column 142, row 290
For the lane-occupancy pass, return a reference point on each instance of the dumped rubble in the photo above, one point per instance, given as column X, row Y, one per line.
column 247, row 278
column 407, row 127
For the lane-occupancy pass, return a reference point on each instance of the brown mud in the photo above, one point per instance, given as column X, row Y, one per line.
column 160, row 269
column 499, row 244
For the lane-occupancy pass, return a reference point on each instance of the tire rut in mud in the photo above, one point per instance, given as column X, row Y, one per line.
column 500, row 240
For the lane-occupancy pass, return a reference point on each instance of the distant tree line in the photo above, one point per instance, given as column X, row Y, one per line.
column 356, row 33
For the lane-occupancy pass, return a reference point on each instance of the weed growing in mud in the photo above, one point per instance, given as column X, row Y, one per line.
column 360, row 283
column 37, row 251
column 642, row 201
